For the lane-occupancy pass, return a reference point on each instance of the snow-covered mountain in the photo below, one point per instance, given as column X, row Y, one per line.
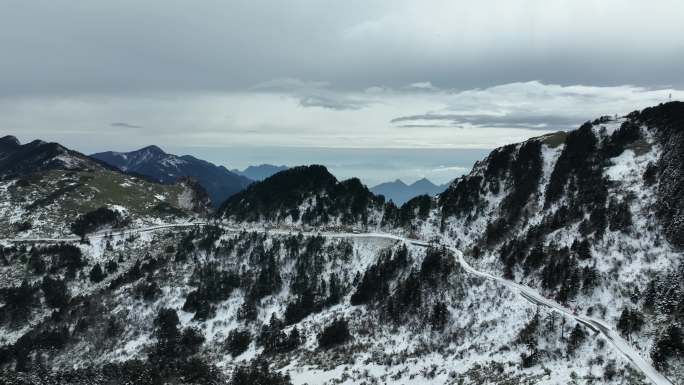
column 289, row 284
column 591, row 218
column 18, row 159
column 153, row 162
column 45, row 188
column 400, row 192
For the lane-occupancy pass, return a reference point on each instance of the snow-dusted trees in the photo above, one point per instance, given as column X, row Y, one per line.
column 416, row 208
column 258, row 372
column 439, row 316
column 172, row 342
column 96, row 274
column 281, row 195
column 238, row 341
column 630, row 321
column 528, row 335
column 55, row 292
column 334, row 334
column 577, row 337
column 95, row 219
column 669, row 344
column 375, row 281
column 268, row 279
column 19, row 302
column 619, row 216
column 274, row 339
column 213, row 285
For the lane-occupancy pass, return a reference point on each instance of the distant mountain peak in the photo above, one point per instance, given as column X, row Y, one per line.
column 17, row 159
column 310, row 194
column 265, row 165
column 400, row 192
column 153, row 162
column 10, row 140
column 155, row 150
column 37, row 142
column 260, row 172
column 423, row 182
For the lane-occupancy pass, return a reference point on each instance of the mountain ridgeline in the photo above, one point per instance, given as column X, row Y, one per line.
column 153, row 162
column 260, row 172
column 312, row 196
column 575, row 213
column 307, row 194
column 577, row 189
column 18, row 159
column 399, row 192
column 47, row 188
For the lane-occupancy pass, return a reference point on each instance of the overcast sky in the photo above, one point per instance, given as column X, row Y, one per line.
column 100, row 75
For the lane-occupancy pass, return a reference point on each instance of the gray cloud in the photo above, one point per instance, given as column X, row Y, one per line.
column 378, row 117
column 424, row 125
column 331, row 103
column 125, row 125
column 312, row 94
column 117, row 47
column 532, row 122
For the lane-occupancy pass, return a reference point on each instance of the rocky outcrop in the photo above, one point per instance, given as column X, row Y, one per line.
column 193, row 196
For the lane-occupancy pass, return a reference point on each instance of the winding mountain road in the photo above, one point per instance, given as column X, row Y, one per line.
column 595, row 324
column 528, row 293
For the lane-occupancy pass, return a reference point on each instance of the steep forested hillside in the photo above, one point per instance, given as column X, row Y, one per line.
column 202, row 305
column 591, row 217
column 308, row 195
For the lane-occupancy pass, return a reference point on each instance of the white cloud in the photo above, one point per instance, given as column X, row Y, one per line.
column 451, row 169
column 424, row 86
column 385, row 117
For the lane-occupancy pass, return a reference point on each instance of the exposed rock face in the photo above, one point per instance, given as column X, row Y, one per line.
column 193, row 197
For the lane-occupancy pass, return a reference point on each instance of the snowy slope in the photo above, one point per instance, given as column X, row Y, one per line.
column 477, row 341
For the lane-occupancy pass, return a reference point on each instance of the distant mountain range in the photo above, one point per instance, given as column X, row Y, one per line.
column 152, row 161
column 260, row 172
column 399, row 192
